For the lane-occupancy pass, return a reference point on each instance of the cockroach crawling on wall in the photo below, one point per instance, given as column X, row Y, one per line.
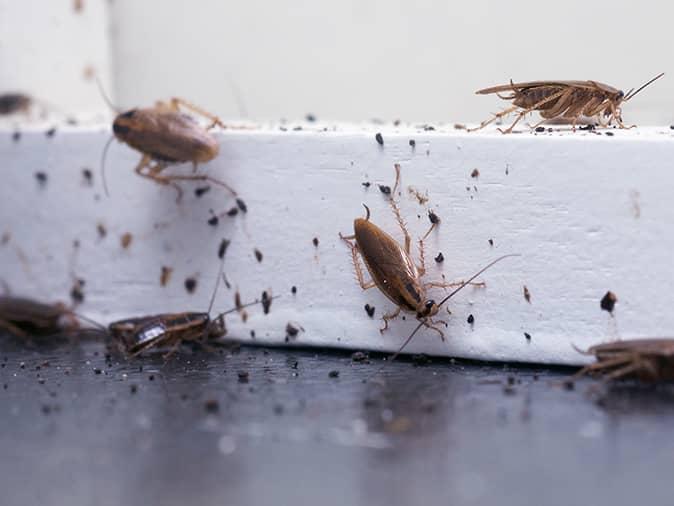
column 166, row 135
column 566, row 101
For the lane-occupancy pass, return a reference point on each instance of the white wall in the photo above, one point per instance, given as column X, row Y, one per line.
column 346, row 59
column 358, row 59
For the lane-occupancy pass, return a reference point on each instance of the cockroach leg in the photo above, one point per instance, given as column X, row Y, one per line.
column 622, row 371
column 452, row 284
column 177, row 102
column 401, row 223
column 620, row 360
column 432, row 324
column 389, row 316
column 534, row 107
column 356, row 264
column 496, row 116
column 421, row 268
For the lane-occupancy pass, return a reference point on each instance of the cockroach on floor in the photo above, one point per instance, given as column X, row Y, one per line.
column 568, row 101
column 137, row 335
column 12, row 103
column 392, row 269
column 647, row 360
column 166, row 135
column 26, row 318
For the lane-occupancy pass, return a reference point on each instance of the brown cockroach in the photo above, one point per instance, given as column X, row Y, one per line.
column 568, row 101
column 11, row 103
column 647, row 360
column 394, row 271
column 166, row 135
column 26, row 318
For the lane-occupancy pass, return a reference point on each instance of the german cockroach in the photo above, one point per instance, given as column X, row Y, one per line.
column 26, row 318
column 11, row 103
column 166, row 135
column 648, row 360
column 393, row 270
column 568, row 101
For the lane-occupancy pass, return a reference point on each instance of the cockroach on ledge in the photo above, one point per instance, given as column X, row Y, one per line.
column 166, row 135
column 568, row 101
column 394, row 272
column 647, row 360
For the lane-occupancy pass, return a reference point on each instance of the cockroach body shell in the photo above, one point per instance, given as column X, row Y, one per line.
column 165, row 136
column 34, row 317
column 392, row 269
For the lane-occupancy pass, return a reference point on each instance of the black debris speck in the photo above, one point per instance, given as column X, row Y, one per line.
column 50, row 132
column 360, row 356
column 41, row 178
column 527, row 336
column 310, row 118
column 470, row 319
column 333, row 374
column 413, row 143
column 97, row 370
column 440, row 258
column 475, row 174
column 151, row 377
column 76, row 292
column 491, row 242
column 242, row 205
column 133, row 388
column 569, row 385
column 369, row 310
column 315, row 241
column 222, row 249
column 434, row 218
column 190, row 285
column 46, row 409
column 212, row 406
column 379, row 138
column 266, row 302
column 213, row 221
column 201, row 190
column 258, row 255
column 608, row 301
column 386, row 190
column 586, row 127
column 366, row 184
column 16, row 136
column 233, row 211
column 243, row 376
column 509, row 390
column 88, row 176
column 429, row 128
column 540, row 129
column 420, row 359
column 610, row 134
column 291, row 331
column 293, row 290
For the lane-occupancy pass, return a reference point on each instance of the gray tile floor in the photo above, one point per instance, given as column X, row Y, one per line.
column 262, row 426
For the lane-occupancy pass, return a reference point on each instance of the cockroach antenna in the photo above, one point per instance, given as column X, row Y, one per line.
column 103, row 157
column 242, row 306
column 107, row 100
column 454, row 292
column 630, row 94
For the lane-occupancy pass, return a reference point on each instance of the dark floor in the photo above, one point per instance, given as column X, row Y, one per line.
column 262, row 426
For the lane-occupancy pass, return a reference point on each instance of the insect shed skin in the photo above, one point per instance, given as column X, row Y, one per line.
column 166, row 135
column 647, row 360
column 568, row 101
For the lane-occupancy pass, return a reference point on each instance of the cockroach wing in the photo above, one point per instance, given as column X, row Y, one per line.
column 592, row 85
column 391, row 268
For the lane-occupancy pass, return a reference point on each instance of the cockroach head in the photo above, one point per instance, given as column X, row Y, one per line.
column 428, row 309
column 123, row 123
column 217, row 327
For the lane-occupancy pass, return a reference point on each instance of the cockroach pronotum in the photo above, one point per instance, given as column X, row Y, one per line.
column 26, row 318
column 568, row 101
column 394, row 272
column 166, row 135
column 648, row 360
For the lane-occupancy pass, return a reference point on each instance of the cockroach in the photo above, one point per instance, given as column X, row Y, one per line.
column 26, row 318
column 166, row 135
column 568, row 101
column 647, row 360
column 393, row 270
column 11, row 103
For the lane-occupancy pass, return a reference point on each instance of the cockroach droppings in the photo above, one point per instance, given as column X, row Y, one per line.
column 386, row 190
column 470, row 320
column 608, row 302
column 125, row 240
column 440, row 258
column 190, row 285
column 41, row 178
column 379, row 139
column 102, row 231
column 310, row 118
column 369, row 310
column 213, row 220
column 293, row 290
column 527, row 336
column 366, row 184
column 491, row 242
column 315, row 242
column 540, row 129
column 77, row 292
column 233, row 211
column 434, row 218
column 266, row 302
column 333, row 374
column 165, row 275
column 242, row 205
column 88, row 177
column 527, row 294
column 291, row 331
column 198, row 192
column 222, row 249
column 258, row 255
column 413, row 143
column 50, row 132
column 475, row 174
